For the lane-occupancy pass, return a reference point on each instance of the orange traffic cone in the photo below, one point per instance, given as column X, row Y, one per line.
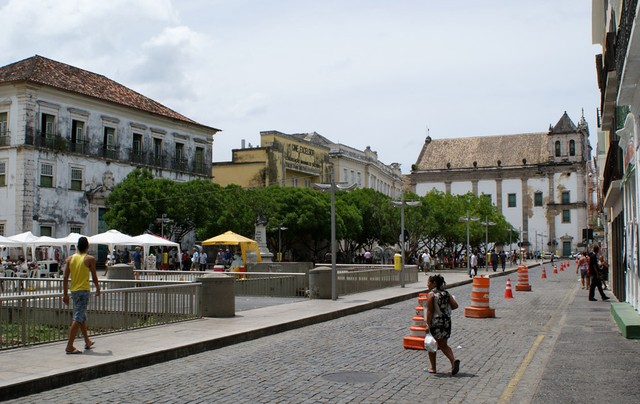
column 544, row 274
column 561, row 267
column 508, row 294
column 555, row 269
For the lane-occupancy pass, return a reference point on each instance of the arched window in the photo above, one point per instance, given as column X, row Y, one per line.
column 572, row 147
column 557, row 148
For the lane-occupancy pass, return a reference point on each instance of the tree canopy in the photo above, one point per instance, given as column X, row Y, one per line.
column 299, row 219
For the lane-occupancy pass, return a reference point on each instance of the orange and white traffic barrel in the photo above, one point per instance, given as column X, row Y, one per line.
column 480, row 299
column 523, row 279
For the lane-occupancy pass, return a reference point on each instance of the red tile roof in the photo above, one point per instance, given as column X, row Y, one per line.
column 40, row 70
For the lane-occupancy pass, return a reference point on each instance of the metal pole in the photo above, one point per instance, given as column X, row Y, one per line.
column 402, row 242
column 486, row 235
column 334, row 271
column 280, row 240
column 468, row 246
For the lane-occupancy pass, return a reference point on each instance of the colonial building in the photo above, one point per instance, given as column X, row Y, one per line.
column 68, row 136
column 300, row 160
column 536, row 180
column 616, row 28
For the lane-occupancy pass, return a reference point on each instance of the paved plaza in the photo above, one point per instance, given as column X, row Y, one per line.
column 547, row 345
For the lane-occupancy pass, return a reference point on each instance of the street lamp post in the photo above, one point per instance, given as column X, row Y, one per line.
column 332, row 187
column 402, row 203
column 280, row 229
column 467, row 219
column 486, row 225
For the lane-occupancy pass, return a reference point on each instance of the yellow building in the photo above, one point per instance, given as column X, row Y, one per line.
column 281, row 159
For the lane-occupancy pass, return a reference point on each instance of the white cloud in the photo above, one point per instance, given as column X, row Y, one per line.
column 364, row 72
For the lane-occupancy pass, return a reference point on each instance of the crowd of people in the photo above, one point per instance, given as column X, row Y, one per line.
column 593, row 273
column 170, row 259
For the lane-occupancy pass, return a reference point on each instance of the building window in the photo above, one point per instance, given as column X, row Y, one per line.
column 109, row 143
column 359, row 179
column 136, row 148
column 558, row 148
column 307, row 182
column 46, row 230
column 566, row 216
column 537, row 199
column 294, row 182
column 511, row 200
column 157, row 151
column 77, row 136
column 75, row 228
column 199, row 160
column 572, row 147
column 48, row 125
column 3, row 173
column 566, row 198
column 76, row 179
column 353, row 177
column 46, row 175
column 4, row 129
column 2, row 230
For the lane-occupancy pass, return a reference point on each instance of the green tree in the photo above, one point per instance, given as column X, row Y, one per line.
column 132, row 204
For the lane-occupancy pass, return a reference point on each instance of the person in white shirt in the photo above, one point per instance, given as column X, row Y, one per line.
column 474, row 265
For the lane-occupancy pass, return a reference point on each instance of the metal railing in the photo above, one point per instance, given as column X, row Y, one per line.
column 273, row 284
column 37, row 318
column 357, row 280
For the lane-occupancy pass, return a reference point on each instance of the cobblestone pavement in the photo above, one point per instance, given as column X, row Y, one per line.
column 525, row 354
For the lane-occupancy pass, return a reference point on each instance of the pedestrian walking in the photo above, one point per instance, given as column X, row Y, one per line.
column 439, row 306
column 583, row 267
column 79, row 266
column 494, row 260
column 473, row 262
column 195, row 260
column 503, row 260
column 594, row 277
column 603, row 272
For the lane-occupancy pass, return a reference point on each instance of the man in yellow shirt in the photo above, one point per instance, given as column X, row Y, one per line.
column 79, row 266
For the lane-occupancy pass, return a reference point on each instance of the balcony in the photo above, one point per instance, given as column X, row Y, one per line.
column 5, row 138
column 137, row 157
column 81, row 147
column 109, row 153
column 157, row 160
column 179, row 164
column 201, row 168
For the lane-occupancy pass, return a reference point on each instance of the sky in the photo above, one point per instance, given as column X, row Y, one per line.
column 378, row 73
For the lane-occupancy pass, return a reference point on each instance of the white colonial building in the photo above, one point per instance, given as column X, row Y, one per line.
column 536, row 180
column 68, row 136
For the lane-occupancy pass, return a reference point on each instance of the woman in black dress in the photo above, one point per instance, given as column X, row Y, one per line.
column 439, row 306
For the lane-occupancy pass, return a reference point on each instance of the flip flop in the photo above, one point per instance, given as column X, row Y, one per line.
column 75, row 351
column 430, row 371
column 456, row 367
column 91, row 344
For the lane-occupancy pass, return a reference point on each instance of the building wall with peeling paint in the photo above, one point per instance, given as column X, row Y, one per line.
column 57, row 179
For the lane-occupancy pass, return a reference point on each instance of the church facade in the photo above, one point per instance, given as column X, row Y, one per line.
column 538, row 181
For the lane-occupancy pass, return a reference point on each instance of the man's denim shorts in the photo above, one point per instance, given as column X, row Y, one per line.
column 80, row 301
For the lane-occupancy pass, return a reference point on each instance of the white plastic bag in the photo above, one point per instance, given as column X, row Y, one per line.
column 430, row 343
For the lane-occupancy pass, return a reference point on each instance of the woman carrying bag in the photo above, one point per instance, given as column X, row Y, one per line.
column 439, row 306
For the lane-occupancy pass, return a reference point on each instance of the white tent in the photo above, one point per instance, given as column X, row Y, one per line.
column 7, row 242
column 71, row 239
column 26, row 239
column 112, row 238
column 48, row 242
column 151, row 240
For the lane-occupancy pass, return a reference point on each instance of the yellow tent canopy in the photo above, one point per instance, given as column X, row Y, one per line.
column 231, row 238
